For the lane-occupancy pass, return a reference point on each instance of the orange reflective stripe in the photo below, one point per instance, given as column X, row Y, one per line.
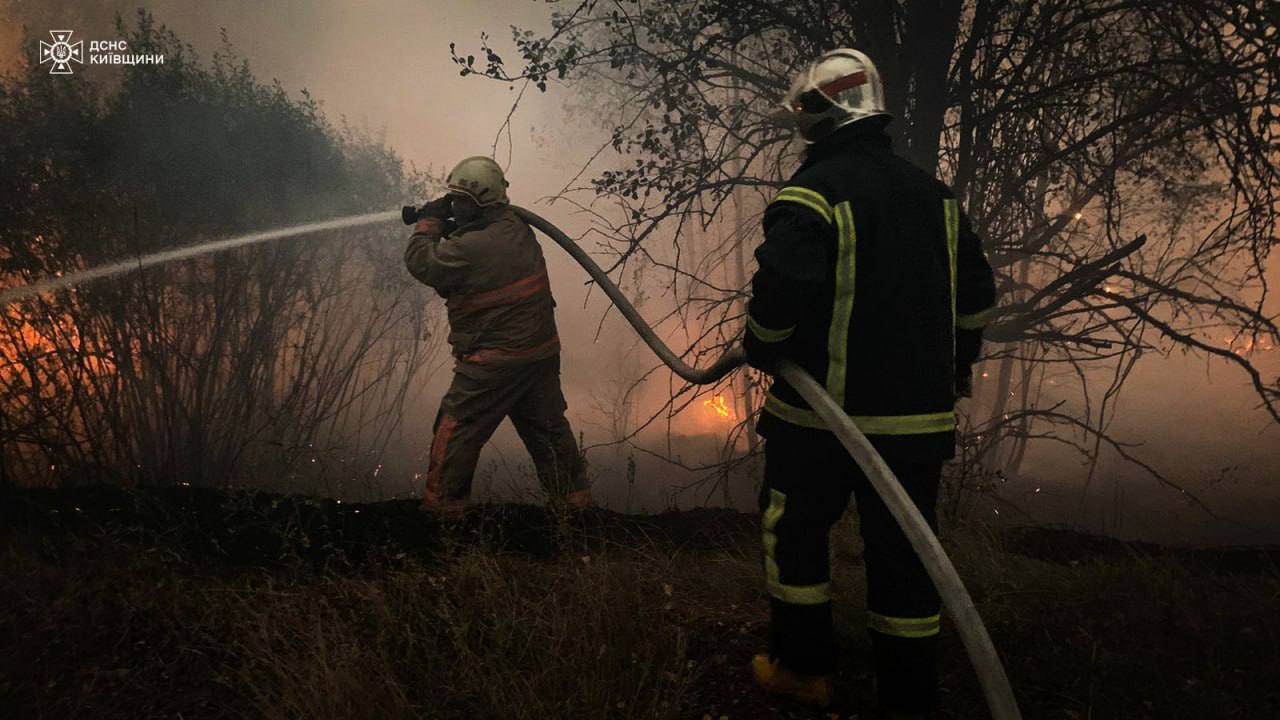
column 487, row 355
column 844, row 83
column 521, row 289
column 439, row 445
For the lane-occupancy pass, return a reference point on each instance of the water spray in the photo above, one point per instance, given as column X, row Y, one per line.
column 11, row 295
column 973, row 633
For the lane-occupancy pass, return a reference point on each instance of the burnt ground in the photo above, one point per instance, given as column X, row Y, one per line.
column 243, row 528
column 257, row 529
column 249, row 532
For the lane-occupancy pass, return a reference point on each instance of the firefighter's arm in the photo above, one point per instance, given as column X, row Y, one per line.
column 792, row 261
column 437, row 261
column 975, row 302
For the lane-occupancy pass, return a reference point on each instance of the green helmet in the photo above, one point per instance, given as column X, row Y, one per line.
column 479, row 178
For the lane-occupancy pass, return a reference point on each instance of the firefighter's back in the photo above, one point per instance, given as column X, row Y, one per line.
column 880, row 331
column 502, row 312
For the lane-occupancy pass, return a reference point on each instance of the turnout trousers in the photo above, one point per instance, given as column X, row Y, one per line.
column 478, row 400
column 808, row 479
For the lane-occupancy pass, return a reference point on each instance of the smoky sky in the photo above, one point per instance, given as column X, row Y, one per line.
column 384, row 68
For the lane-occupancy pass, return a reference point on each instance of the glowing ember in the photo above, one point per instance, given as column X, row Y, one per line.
column 718, row 406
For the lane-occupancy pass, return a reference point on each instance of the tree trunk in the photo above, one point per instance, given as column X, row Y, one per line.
column 927, row 45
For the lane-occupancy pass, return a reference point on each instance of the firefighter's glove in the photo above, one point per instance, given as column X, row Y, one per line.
column 964, row 386
column 441, row 209
column 429, row 227
column 433, row 218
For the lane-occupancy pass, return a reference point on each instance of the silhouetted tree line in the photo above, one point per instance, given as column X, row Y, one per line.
column 282, row 363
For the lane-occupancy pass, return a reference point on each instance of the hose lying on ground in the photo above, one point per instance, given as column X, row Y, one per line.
column 977, row 642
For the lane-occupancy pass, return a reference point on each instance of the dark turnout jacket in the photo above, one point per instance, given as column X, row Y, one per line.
column 871, row 279
column 493, row 278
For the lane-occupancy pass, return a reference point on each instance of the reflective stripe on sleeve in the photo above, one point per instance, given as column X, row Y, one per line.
column 806, row 197
column 904, row 627
column 768, row 335
column 976, row 320
column 869, row 424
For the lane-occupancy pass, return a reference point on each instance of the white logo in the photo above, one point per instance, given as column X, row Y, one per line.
column 61, row 52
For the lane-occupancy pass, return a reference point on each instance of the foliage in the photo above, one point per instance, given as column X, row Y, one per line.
column 1119, row 158
column 188, row 371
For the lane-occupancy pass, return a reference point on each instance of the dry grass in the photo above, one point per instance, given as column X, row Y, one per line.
column 100, row 625
column 1129, row 636
column 118, row 631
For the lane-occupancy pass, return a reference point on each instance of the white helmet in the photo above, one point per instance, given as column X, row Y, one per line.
column 837, row 89
column 479, row 178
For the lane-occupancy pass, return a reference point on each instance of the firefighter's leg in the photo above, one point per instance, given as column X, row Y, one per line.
column 538, row 416
column 469, row 413
column 902, row 602
column 802, row 497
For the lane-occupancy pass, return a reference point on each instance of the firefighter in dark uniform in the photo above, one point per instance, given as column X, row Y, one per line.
column 486, row 263
column 871, row 280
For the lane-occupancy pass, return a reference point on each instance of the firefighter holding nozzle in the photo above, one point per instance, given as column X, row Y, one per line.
column 485, row 262
column 871, row 280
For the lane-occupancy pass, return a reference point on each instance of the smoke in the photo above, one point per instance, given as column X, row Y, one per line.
column 1197, row 421
column 109, row 270
column 384, row 69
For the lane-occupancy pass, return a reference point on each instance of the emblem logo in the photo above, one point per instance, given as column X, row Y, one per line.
column 61, row 52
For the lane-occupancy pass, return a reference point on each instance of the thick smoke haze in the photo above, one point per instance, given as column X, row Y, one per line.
column 384, row 68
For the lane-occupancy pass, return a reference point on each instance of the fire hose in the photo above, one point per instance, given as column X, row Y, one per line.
column 973, row 633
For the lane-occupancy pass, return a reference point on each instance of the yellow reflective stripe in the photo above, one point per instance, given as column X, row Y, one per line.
column 905, row 627
column 793, row 594
column 951, row 210
column 976, row 320
column 842, row 309
column 801, row 594
column 777, row 506
column 772, row 514
column 906, row 424
column 804, row 196
column 768, row 335
column 869, row 424
column 792, row 414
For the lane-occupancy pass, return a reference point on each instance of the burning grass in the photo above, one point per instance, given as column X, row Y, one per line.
column 208, row 606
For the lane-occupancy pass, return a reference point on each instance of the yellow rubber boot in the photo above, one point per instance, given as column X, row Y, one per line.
column 808, row 689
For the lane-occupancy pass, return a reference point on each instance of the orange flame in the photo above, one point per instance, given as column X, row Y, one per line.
column 718, row 406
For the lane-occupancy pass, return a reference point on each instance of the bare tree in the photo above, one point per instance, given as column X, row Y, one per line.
column 1119, row 158
column 283, row 363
